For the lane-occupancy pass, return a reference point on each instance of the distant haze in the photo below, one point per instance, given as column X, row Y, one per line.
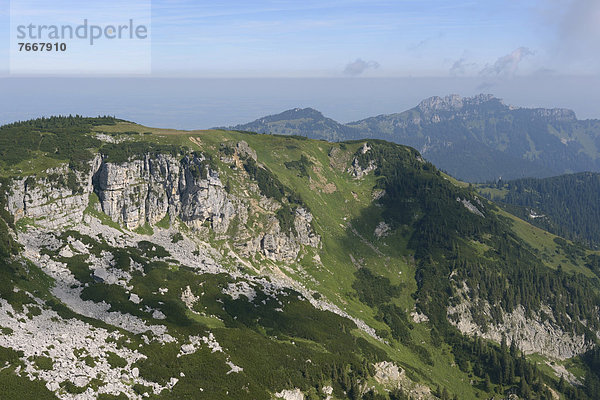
column 190, row 103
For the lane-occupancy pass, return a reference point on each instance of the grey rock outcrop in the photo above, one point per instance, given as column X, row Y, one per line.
column 557, row 114
column 532, row 333
column 358, row 171
column 390, row 375
column 143, row 191
column 245, row 150
column 282, row 246
column 437, row 103
column 470, row 206
column 54, row 199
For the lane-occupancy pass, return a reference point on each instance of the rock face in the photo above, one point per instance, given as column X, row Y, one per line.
column 58, row 197
column 390, row 375
column 295, row 394
column 557, row 114
column 245, row 150
column 532, row 335
column 470, row 206
column 281, row 246
column 356, row 170
column 447, row 103
column 382, row 229
column 143, row 191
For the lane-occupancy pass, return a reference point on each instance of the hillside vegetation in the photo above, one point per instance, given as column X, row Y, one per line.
column 224, row 264
column 565, row 205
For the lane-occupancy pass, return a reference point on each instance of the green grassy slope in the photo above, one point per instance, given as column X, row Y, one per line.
column 434, row 243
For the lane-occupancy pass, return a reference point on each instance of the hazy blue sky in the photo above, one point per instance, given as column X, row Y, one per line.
column 392, row 38
column 517, row 49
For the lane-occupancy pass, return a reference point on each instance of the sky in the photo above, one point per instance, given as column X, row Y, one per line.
column 519, row 49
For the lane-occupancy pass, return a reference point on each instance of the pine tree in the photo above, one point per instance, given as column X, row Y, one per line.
column 524, row 389
column 513, row 348
column 487, row 384
column 445, row 395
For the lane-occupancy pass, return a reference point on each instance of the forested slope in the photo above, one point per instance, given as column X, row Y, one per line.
column 567, row 205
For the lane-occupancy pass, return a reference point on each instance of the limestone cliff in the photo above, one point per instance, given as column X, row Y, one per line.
column 532, row 333
column 145, row 191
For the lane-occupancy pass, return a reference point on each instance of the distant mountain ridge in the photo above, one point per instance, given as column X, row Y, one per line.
column 456, row 103
column 303, row 122
column 473, row 138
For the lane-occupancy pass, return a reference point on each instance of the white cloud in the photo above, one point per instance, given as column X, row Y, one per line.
column 461, row 66
column 508, row 64
column 359, row 66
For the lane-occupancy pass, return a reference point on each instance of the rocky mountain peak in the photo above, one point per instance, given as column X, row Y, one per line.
column 556, row 114
column 437, row 103
column 297, row 113
column 454, row 102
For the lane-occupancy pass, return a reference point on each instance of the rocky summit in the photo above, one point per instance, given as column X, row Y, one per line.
column 149, row 263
